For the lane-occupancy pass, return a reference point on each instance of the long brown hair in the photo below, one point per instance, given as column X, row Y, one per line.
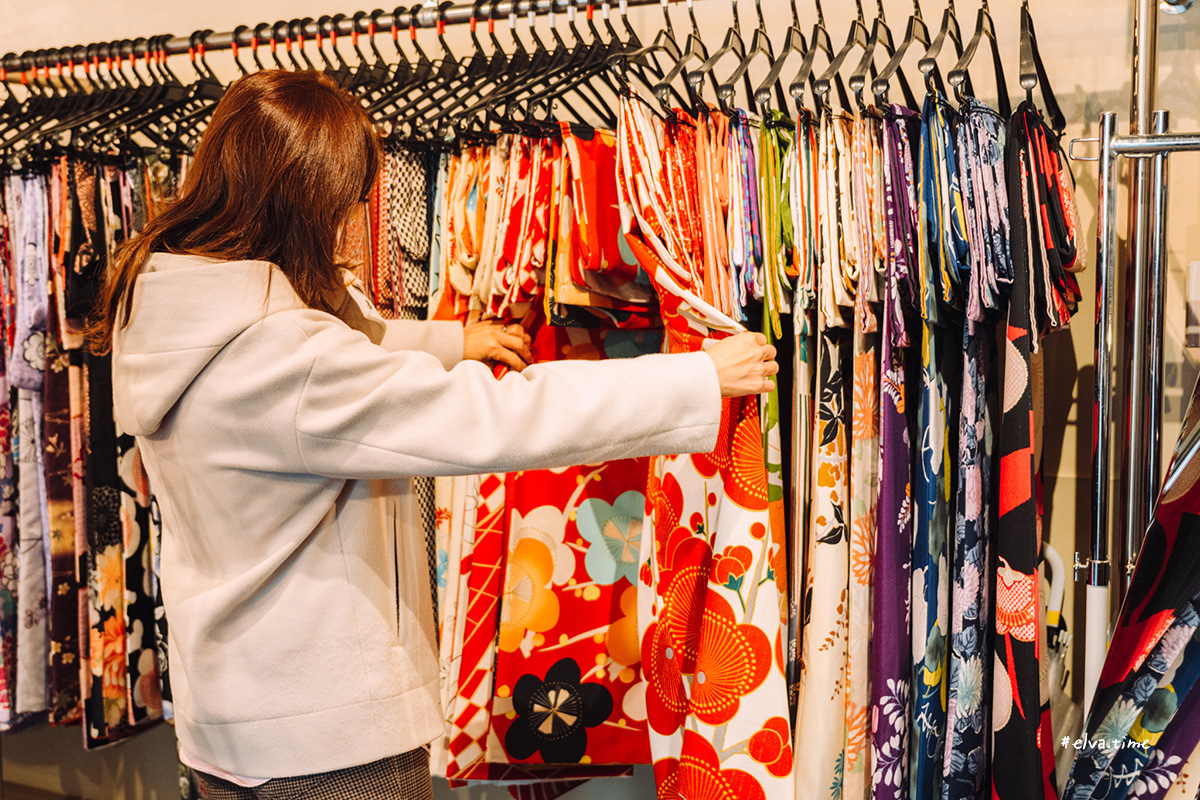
column 284, row 160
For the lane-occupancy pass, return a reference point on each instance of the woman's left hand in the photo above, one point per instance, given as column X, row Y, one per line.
column 491, row 341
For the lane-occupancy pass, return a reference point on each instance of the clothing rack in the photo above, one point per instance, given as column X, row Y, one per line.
column 13, row 67
column 1141, row 380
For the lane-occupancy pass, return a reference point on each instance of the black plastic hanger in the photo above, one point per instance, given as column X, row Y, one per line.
column 793, row 42
column 296, row 28
column 928, row 63
column 857, row 37
column 984, row 26
column 1033, row 73
column 760, row 46
column 693, row 50
column 819, row 42
column 733, row 43
column 917, row 31
column 881, row 34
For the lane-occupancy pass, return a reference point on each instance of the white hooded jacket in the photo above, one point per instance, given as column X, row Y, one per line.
column 279, row 442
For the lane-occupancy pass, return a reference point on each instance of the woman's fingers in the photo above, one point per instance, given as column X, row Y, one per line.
column 518, row 344
column 744, row 364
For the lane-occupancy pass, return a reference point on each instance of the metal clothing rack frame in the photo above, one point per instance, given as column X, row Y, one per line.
column 1140, row 381
column 418, row 16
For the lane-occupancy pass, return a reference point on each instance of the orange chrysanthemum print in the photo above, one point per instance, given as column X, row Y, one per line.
column 865, row 423
column 110, row 644
column 697, row 775
column 862, row 547
column 856, row 734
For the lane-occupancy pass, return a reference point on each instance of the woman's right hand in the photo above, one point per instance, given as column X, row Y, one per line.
column 745, row 364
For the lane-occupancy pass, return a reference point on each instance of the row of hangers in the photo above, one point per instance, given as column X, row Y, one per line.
column 104, row 98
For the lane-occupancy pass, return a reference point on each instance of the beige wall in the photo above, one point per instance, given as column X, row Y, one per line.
column 1085, row 44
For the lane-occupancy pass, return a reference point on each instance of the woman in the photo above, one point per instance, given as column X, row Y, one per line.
column 279, row 419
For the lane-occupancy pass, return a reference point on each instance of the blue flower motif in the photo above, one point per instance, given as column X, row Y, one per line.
column 443, row 564
column 614, row 536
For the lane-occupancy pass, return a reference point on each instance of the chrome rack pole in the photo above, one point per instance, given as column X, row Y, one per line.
column 1136, row 496
column 427, row 17
column 1098, row 573
column 1157, row 256
column 1143, row 148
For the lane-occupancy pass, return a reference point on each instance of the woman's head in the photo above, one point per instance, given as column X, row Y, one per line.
column 285, row 159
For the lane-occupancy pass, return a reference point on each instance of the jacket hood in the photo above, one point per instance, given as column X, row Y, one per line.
column 185, row 309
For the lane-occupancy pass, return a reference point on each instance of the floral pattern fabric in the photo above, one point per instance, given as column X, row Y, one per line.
column 822, row 700
column 1147, row 690
column 1016, row 704
column 891, row 653
column 980, row 142
column 708, row 603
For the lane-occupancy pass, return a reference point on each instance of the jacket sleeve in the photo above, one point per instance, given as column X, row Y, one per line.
column 364, row 412
column 441, row 338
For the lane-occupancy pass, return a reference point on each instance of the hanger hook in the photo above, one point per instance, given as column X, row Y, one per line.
column 441, row 27
column 299, row 26
column 235, row 45
column 273, row 42
column 737, row 25
column 414, row 20
column 323, row 24
column 666, row 18
column 476, row 7
column 372, row 28
column 192, row 45
column 355, row 32
column 820, row 13
column 202, row 51
column 335, row 24
column 758, row 10
column 858, row 9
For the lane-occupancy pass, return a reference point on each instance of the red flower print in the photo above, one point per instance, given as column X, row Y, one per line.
column 697, row 775
column 666, row 699
column 734, row 660
column 722, row 659
column 671, row 643
column 666, row 499
column 772, row 747
column 730, row 566
column 739, row 455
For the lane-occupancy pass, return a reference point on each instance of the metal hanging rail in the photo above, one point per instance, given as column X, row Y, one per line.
column 1151, row 150
column 1127, row 446
column 300, row 30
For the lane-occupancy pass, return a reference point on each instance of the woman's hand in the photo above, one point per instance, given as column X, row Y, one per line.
column 490, row 341
column 745, row 364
